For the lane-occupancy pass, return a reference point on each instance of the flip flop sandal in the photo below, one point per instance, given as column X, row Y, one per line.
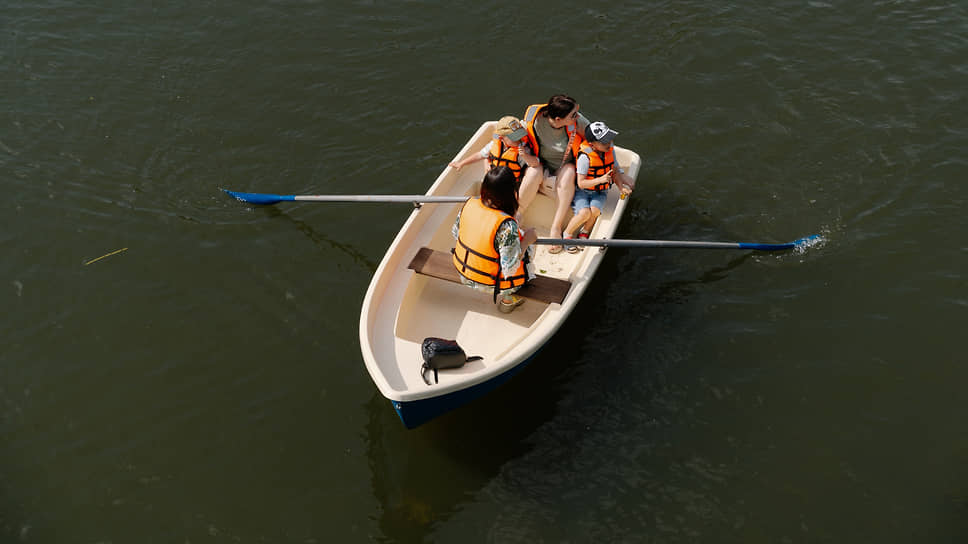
column 554, row 250
column 571, row 249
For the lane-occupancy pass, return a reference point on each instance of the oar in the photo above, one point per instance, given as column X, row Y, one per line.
column 604, row 242
column 266, row 198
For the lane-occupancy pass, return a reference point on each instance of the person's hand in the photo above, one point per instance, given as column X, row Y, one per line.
column 530, row 235
column 456, row 165
column 628, row 184
column 531, row 160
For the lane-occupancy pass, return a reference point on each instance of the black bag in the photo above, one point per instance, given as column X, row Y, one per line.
column 440, row 354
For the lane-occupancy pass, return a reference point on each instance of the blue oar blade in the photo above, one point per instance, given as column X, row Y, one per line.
column 259, row 198
column 808, row 241
column 801, row 243
column 766, row 247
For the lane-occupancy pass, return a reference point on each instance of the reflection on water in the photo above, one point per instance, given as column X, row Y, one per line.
column 322, row 241
column 424, row 476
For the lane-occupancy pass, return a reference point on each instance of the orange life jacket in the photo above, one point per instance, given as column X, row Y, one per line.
column 475, row 256
column 575, row 138
column 599, row 164
column 502, row 155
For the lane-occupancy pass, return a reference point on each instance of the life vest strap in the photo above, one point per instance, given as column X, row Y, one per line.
column 499, row 277
column 469, row 249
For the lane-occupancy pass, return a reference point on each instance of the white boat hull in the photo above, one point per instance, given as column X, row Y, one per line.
column 401, row 307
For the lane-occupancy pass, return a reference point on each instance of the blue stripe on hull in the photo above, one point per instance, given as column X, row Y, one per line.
column 417, row 412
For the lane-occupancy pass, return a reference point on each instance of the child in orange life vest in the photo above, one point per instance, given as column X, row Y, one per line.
column 509, row 148
column 596, row 171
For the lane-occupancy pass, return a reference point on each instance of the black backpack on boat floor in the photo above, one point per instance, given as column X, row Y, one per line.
column 441, row 354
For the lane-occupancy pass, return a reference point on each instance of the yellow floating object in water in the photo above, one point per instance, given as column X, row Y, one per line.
column 115, row 252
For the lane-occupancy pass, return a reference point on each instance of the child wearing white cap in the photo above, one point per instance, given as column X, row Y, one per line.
column 596, row 172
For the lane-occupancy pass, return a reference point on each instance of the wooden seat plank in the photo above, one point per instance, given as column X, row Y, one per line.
column 439, row 264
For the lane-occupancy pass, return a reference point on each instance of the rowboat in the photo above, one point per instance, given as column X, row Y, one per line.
column 403, row 306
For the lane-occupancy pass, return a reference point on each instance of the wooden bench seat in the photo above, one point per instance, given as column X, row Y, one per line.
column 439, row 264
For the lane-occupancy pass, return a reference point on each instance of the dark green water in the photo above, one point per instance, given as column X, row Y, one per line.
column 206, row 385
